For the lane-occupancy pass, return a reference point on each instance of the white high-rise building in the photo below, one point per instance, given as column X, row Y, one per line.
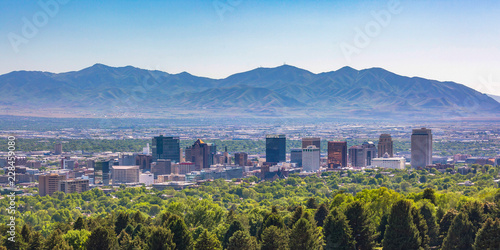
column 310, row 159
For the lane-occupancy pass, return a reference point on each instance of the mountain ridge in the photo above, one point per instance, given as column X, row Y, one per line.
column 284, row 88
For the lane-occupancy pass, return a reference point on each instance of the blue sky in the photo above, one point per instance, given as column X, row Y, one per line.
column 443, row 40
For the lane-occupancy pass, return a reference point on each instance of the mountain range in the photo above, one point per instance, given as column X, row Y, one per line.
column 102, row 90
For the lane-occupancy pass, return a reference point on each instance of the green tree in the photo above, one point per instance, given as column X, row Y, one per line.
column 207, row 241
column 56, row 241
column 272, row 220
column 429, row 194
column 77, row 238
column 427, row 211
column 79, row 224
column 26, row 233
column 161, row 239
column 419, row 222
column 242, row 240
column 302, row 236
column 488, row 236
column 36, row 241
column 337, row 232
column 274, row 238
column 321, row 214
column 311, row 203
column 122, row 220
column 475, row 213
column 360, row 225
column 182, row 237
column 461, row 234
column 381, row 227
column 101, row 239
column 401, row 232
column 445, row 223
column 233, row 228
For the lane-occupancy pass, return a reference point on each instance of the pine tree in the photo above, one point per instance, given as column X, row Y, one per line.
column 430, row 194
column 488, row 236
column 121, row 223
column 233, row 228
column 274, row 238
column 207, row 241
column 56, row 241
column 26, row 233
column 101, row 239
column 381, row 227
column 461, row 234
column 360, row 225
column 311, row 203
column 79, row 224
column 445, row 223
column 272, row 220
column 36, row 241
column 297, row 214
column 427, row 211
column 475, row 214
column 419, row 222
column 401, row 232
column 337, row 232
column 321, row 214
column 242, row 240
column 161, row 239
column 182, row 237
column 302, row 236
column 137, row 218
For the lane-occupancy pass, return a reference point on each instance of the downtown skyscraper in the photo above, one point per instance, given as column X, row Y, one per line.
column 167, row 148
column 275, row 148
column 421, row 148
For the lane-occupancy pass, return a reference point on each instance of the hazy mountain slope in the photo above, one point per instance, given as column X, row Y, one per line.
column 361, row 92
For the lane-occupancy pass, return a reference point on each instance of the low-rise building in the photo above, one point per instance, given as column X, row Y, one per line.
column 389, row 162
column 125, row 174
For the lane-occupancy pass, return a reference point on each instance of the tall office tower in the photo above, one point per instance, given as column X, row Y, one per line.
column 296, row 156
column 201, row 154
column 167, row 148
column 240, row 159
column 357, row 156
column 337, row 154
column 370, row 152
column 306, row 141
column 310, row 159
column 101, row 172
column 421, row 148
column 58, row 148
column 385, row 145
column 226, row 156
column 48, row 184
column 275, row 148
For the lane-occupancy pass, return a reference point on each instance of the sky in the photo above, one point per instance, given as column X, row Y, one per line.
column 443, row 40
